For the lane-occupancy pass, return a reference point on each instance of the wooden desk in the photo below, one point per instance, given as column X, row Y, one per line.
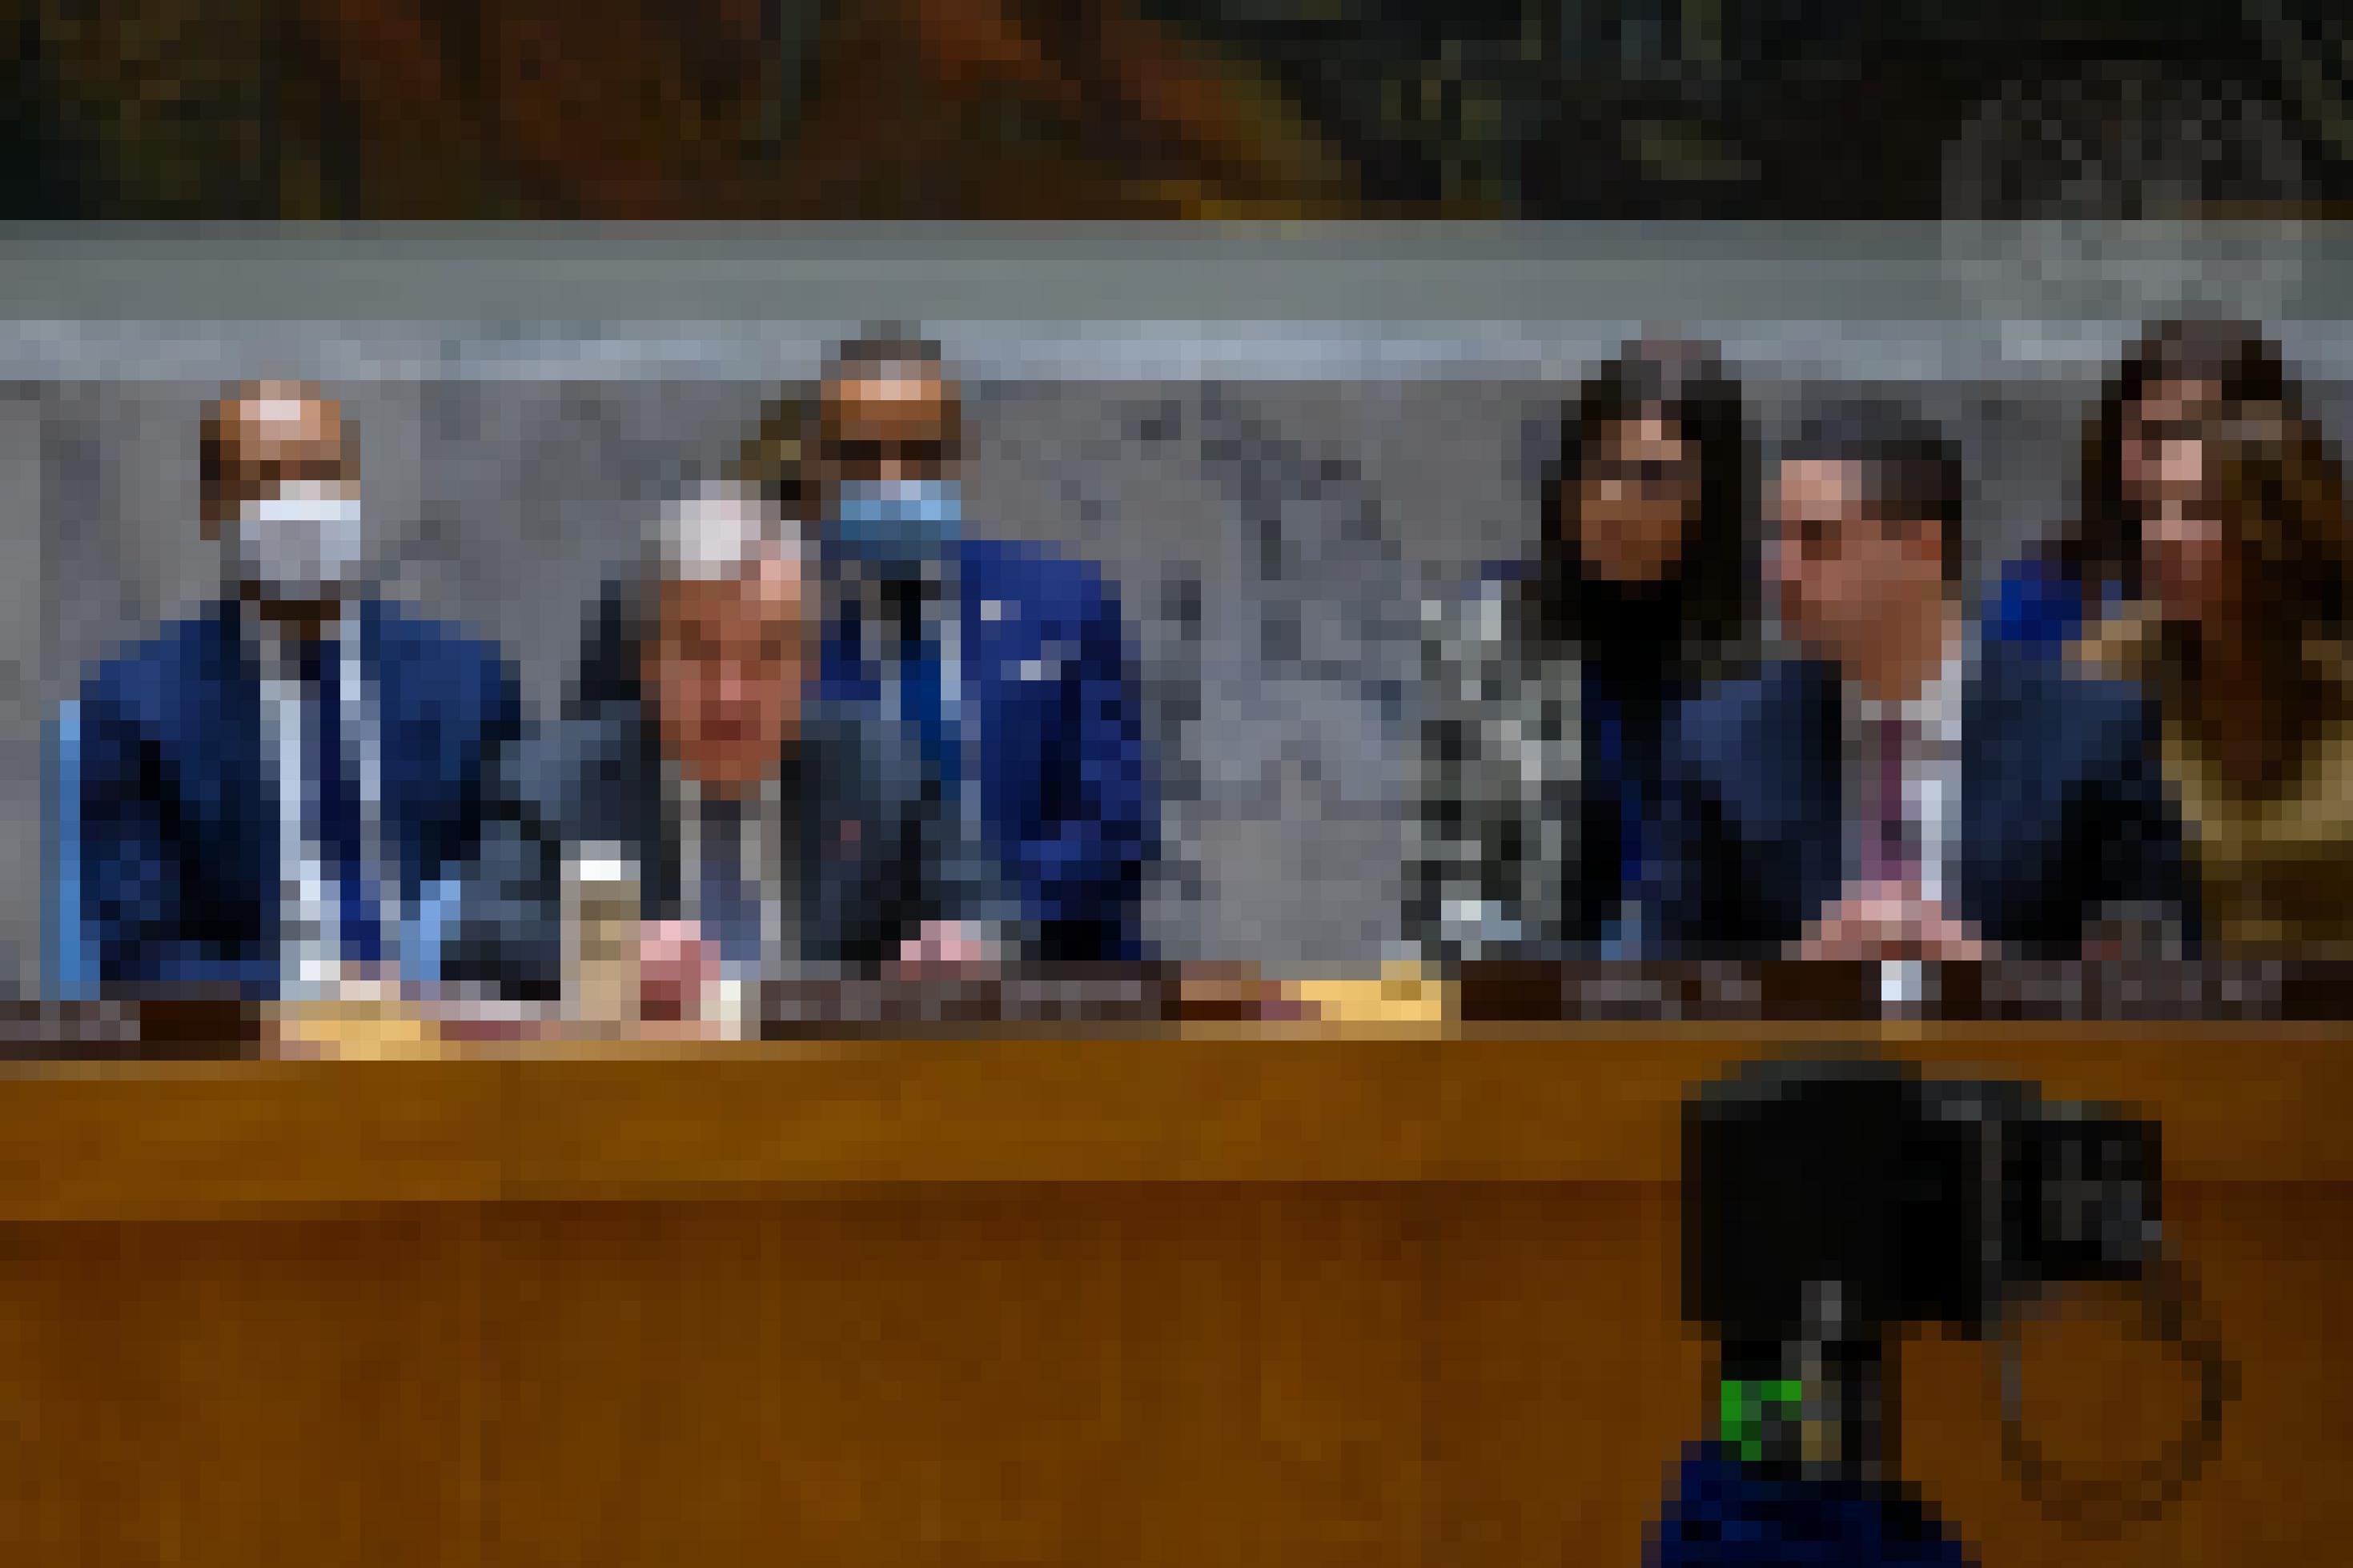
column 1255, row 1297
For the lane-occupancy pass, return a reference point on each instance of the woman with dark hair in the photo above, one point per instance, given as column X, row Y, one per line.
column 1545, row 689
column 2139, row 447
column 2238, row 631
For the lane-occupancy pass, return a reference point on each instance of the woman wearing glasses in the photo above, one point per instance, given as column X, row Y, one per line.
column 1545, row 689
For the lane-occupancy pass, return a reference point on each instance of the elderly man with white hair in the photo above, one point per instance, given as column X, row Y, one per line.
column 762, row 827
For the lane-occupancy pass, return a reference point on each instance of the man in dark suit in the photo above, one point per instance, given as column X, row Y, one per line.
column 272, row 796
column 1903, row 791
column 759, row 826
column 1010, row 661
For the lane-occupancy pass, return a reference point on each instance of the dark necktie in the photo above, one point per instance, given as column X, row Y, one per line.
column 1891, row 856
column 922, row 694
column 1610, row 863
column 334, row 778
column 730, row 902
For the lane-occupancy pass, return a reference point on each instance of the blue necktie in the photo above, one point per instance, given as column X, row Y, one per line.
column 923, row 703
column 339, row 803
column 730, row 904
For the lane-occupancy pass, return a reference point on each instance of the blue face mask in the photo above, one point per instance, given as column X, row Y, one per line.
column 897, row 522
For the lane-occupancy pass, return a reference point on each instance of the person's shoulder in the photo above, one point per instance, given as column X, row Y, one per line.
column 1043, row 595
column 832, row 726
column 849, row 748
column 2104, row 669
column 1492, row 583
column 148, row 674
column 1733, row 723
column 407, row 634
column 598, row 737
column 572, row 771
column 1475, row 621
column 2122, row 647
column 1027, row 570
column 2094, row 701
column 1762, row 690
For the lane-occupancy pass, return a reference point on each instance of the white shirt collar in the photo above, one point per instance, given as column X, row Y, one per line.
column 941, row 605
column 685, row 791
column 1934, row 710
column 275, row 651
column 762, row 809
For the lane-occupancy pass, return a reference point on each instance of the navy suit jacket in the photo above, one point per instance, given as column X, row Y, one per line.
column 871, row 855
column 1050, row 695
column 178, row 811
column 2064, row 813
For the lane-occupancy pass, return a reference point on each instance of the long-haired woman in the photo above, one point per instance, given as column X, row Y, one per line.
column 2243, row 586
column 1546, row 687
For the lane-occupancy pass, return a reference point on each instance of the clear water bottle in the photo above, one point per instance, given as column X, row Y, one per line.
column 600, row 935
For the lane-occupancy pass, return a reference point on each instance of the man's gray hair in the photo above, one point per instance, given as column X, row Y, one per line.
column 722, row 528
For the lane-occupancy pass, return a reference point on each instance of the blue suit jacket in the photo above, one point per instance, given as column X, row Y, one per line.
column 1049, row 693
column 177, row 833
column 2064, row 813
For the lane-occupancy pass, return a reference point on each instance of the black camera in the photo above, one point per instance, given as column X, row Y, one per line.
column 1914, row 1201
column 1829, row 1205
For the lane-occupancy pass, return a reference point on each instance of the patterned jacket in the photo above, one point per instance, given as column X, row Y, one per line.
column 1493, row 840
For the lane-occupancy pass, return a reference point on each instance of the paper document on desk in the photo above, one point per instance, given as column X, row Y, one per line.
column 1405, row 993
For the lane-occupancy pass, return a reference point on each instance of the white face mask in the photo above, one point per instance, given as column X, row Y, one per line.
column 302, row 543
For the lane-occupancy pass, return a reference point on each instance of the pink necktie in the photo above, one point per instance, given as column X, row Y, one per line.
column 1889, row 856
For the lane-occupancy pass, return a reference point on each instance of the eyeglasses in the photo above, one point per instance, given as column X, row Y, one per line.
column 1652, row 479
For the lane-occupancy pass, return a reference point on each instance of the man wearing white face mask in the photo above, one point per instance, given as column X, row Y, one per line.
column 274, row 793
column 1010, row 662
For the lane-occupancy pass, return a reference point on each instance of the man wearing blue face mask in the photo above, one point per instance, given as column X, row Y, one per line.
column 1008, row 662
column 270, row 796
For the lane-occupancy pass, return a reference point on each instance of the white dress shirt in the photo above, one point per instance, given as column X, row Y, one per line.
column 310, row 897
column 1930, row 773
column 1930, row 725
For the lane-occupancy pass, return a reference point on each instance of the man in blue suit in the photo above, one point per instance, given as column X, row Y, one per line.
column 1905, row 792
column 271, row 795
column 1010, row 662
